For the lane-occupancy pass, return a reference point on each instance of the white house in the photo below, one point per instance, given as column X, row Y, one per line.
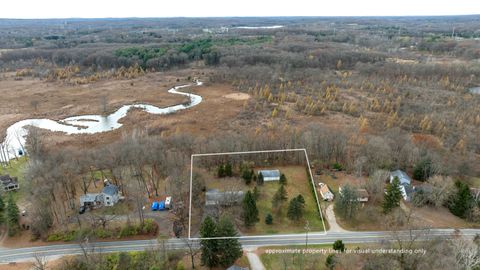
column 402, row 177
column 108, row 197
column 270, row 175
column 325, row 192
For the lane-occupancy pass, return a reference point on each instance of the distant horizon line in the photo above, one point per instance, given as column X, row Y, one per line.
column 225, row 17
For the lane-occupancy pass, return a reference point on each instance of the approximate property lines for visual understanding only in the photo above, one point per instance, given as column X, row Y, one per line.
column 243, row 153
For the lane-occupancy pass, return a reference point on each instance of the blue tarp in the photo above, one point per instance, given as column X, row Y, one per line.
column 161, row 206
column 154, row 206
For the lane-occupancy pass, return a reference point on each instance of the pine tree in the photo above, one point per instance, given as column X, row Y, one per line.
column 221, row 171
column 269, row 219
column 260, row 179
column 283, row 179
column 229, row 250
column 393, row 196
column 247, row 176
column 279, row 197
column 296, row 209
column 12, row 216
column 250, row 211
column 282, row 192
column 2, row 204
column 209, row 247
column 256, row 194
column 339, row 246
column 2, row 207
column 228, row 170
column 462, row 201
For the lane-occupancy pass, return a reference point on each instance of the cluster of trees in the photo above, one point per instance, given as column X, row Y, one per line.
column 10, row 215
column 219, row 252
column 225, row 170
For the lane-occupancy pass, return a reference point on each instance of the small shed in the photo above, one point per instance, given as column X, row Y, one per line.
column 270, row 175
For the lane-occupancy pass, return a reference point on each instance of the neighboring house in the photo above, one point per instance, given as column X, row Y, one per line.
column 402, row 177
column 227, row 198
column 405, row 184
column 407, row 192
column 475, row 193
column 325, row 192
column 91, row 200
column 362, row 194
column 270, row 175
column 9, row 183
column 108, row 197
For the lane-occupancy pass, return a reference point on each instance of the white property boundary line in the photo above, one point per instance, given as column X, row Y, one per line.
column 242, row 153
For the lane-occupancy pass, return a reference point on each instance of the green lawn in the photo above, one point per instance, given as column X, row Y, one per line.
column 16, row 169
column 297, row 183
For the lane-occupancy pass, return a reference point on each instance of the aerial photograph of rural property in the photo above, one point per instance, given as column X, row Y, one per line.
column 289, row 135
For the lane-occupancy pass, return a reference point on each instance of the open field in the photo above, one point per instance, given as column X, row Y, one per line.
column 297, row 183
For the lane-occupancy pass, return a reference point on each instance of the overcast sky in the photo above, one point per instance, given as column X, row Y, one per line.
column 216, row 8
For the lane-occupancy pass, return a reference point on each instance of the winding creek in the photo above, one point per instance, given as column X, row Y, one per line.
column 13, row 145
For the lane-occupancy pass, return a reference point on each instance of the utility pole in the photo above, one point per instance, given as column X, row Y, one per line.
column 307, row 228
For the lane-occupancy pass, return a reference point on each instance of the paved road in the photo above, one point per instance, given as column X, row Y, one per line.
column 23, row 254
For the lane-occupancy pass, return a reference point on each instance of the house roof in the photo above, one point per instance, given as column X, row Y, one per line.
column 90, row 197
column 402, row 177
column 236, row 267
column 110, row 190
column 324, row 188
column 362, row 193
column 270, row 173
column 214, row 195
column 7, row 180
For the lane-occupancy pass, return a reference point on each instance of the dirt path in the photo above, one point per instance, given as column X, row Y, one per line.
column 254, row 260
column 332, row 221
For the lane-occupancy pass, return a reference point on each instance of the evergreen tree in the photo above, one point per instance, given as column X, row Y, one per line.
column 282, row 193
column 247, row 176
column 393, row 196
column 295, row 209
column 462, row 201
column 260, row 179
column 339, row 246
column 229, row 250
column 279, row 197
column 12, row 217
column 346, row 203
column 250, row 211
column 269, row 219
column 209, row 247
column 283, row 179
column 256, row 194
column 330, row 261
column 2, row 204
column 423, row 169
column 301, row 199
column 228, row 170
column 2, row 207
column 221, row 171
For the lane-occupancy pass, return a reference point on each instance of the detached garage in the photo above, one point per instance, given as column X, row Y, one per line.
column 270, row 175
